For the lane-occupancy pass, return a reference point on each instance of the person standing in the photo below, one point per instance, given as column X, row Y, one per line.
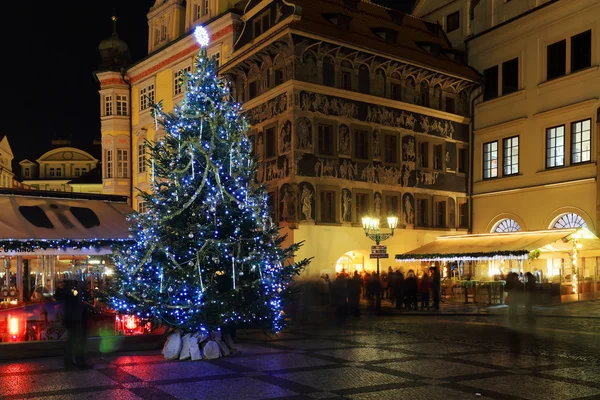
column 398, row 286
column 354, row 295
column 69, row 293
column 411, row 287
column 424, row 288
column 530, row 289
column 436, row 287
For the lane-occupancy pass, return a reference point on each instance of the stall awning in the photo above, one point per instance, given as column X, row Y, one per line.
column 54, row 222
column 500, row 245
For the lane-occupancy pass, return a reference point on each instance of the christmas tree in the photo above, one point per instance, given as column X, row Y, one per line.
column 206, row 253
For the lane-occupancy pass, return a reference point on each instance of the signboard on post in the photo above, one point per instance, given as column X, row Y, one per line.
column 379, row 252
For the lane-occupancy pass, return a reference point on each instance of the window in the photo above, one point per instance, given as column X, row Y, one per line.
column 511, row 156
column 178, row 80
column 122, row 163
column 205, row 7
column 556, row 59
column 438, row 157
column 141, row 157
column 160, row 34
column 463, row 215
column 581, row 51
column 423, row 155
column 327, row 206
column 490, row 83
column 422, row 212
column 27, row 173
column 108, row 105
column 270, row 143
column 490, row 160
column 570, row 220
column 424, row 94
column 364, row 79
column 77, row 171
column 452, row 21
column 555, row 147
column 121, row 104
column 146, row 97
column 253, row 89
column 51, row 172
column 328, row 72
column 507, row 225
column 391, row 206
column 581, row 141
column 390, row 149
column 279, row 76
column 142, row 207
column 510, row 76
column 396, row 91
column 325, row 139
column 361, row 206
column 450, row 105
column 346, row 75
column 463, row 160
column 109, row 163
column 361, row 144
column 440, row 214
column 83, row 171
column 197, row 11
column 262, row 24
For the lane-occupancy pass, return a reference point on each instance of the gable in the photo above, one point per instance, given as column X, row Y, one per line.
column 68, row 154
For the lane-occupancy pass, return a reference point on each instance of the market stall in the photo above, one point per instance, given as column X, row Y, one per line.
column 563, row 261
column 47, row 238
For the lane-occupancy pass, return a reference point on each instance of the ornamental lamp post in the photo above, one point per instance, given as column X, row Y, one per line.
column 371, row 228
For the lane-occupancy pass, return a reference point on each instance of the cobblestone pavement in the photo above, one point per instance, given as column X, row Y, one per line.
column 369, row 357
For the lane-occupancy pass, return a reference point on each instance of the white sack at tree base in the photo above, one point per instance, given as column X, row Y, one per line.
column 185, row 347
column 229, row 342
column 211, row 350
column 173, row 346
column 195, row 351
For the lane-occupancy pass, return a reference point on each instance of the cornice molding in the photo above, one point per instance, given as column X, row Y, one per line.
column 568, row 108
column 501, row 126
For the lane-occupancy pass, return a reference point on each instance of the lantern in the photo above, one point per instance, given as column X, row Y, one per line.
column 130, row 322
column 13, row 326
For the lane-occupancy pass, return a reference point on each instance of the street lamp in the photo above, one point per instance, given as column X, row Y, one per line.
column 371, row 227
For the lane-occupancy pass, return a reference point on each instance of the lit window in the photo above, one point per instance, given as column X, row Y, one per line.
column 146, row 97
column 178, row 79
column 121, row 104
column 109, row 163
column 490, row 160
column 122, row 163
column 507, row 225
column 511, row 156
column 141, row 157
column 570, row 220
column 108, row 105
column 555, row 147
column 142, row 207
column 581, row 141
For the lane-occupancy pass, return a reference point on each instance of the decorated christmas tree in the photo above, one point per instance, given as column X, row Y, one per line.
column 206, row 252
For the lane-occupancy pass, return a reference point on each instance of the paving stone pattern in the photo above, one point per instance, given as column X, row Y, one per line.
column 304, row 364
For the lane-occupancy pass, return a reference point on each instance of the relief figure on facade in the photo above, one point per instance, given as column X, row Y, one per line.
column 285, row 137
column 306, row 199
column 409, row 151
column 304, row 134
column 377, row 144
column 327, row 105
column 326, row 168
column 388, row 175
column 259, row 147
column 409, row 214
column 348, row 170
column 346, row 206
column 407, row 168
column 289, row 204
column 369, row 174
column 344, row 139
column 377, row 204
column 429, row 177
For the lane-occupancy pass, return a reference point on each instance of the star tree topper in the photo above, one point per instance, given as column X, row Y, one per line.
column 201, row 36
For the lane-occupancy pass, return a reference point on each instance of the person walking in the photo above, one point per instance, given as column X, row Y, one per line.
column 354, row 295
column 69, row 294
column 530, row 289
column 398, row 289
column 411, row 287
column 424, row 289
column 512, row 288
column 436, row 287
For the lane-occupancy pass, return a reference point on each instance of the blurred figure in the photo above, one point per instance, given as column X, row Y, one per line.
column 398, row 289
column 512, row 288
column 354, row 295
column 411, row 287
column 436, row 287
column 530, row 289
column 70, row 294
column 424, row 288
column 383, row 280
column 339, row 291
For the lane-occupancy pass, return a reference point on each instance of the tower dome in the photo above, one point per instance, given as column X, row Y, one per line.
column 113, row 51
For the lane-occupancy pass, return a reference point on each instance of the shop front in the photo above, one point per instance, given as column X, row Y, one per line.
column 564, row 263
column 47, row 239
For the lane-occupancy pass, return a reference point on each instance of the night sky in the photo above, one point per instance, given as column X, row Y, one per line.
column 50, row 50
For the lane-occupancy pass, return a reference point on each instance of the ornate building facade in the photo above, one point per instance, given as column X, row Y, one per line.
column 6, row 157
column 354, row 109
column 127, row 91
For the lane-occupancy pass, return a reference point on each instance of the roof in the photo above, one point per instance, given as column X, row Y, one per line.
column 29, row 220
column 91, row 177
column 367, row 16
column 500, row 245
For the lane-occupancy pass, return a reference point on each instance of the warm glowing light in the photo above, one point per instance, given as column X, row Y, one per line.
column 201, row 36
column 370, row 223
column 130, row 322
column 108, row 271
column 13, row 325
column 392, row 222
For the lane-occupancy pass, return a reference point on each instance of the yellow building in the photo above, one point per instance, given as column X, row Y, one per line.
column 64, row 168
column 6, row 157
column 126, row 93
column 354, row 109
column 535, row 147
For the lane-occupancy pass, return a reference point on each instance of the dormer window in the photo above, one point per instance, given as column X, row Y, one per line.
column 430, row 47
column 160, row 34
column 340, row 20
column 389, row 35
column 262, row 23
column 201, row 9
column 27, row 173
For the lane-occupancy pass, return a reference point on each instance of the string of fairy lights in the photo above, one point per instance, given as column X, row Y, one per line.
column 206, row 253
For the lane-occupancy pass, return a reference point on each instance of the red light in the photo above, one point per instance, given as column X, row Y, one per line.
column 13, row 325
column 130, row 322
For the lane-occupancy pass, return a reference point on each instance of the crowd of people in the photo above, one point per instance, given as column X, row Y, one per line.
column 407, row 292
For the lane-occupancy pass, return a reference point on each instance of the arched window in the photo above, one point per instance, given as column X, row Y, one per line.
column 570, row 220
column 424, row 94
column 410, row 93
column 279, row 70
column 396, row 86
column 380, row 83
column 507, row 225
column 328, row 72
column 346, row 75
column 364, row 79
